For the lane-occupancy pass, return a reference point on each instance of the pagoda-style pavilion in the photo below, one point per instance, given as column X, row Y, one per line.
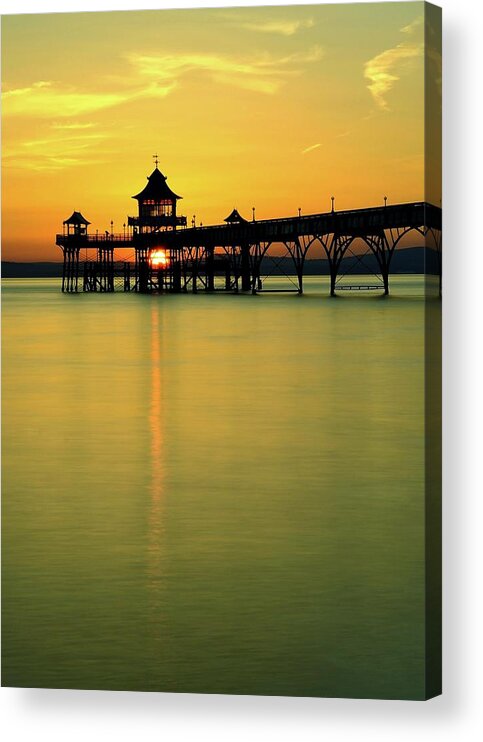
column 157, row 206
column 235, row 218
column 76, row 224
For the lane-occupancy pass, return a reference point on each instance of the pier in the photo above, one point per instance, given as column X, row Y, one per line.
column 157, row 252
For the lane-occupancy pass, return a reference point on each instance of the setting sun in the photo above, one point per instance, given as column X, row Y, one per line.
column 158, row 259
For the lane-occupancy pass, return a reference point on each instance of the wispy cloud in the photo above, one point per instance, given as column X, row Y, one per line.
column 67, row 140
column 155, row 76
column 39, row 163
column 310, row 149
column 47, row 99
column 74, row 125
column 54, row 152
column 385, row 69
column 248, row 21
column 263, row 73
column 414, row 26
column 279, row 27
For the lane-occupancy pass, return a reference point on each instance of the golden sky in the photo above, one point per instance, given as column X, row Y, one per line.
column 272, row 107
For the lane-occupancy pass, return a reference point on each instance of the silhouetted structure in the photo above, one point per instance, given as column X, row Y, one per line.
column 235, row 218
column 170, row 257
column 74, row 230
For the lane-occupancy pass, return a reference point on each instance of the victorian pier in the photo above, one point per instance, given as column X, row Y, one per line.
column 159, row 252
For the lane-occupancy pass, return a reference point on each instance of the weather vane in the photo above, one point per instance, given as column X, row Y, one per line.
column 155, row 158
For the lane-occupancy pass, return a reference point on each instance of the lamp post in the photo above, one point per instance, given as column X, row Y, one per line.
column 332, row 198
column 300, row 212
column 124, row 230
column 193, row 221
column 385, row 201
column 253, row 213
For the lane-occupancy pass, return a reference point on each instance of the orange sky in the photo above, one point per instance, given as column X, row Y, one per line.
column 269, row 107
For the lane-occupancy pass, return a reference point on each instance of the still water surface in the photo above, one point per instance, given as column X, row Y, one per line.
column 216, row 494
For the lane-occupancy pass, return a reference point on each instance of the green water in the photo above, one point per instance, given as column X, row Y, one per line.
column 218, row 494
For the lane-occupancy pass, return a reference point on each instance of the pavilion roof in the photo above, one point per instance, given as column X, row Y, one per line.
column 76, row 218
column 235, row 218
column 156, row 189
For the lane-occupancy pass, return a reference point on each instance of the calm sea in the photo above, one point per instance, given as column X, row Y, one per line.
column 213, row 493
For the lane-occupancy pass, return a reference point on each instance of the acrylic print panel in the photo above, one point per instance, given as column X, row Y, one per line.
column 221, row 350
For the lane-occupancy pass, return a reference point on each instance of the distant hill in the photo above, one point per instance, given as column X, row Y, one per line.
column 409, row 260
column 31, row 270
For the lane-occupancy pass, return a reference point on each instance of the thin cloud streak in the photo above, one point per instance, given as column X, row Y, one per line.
column 278, row 27
column 385, row 69
column 44, row 99
column 54, row 152
column 73, row 126
column 310, row 149
column 264, row 73
column 269, row 25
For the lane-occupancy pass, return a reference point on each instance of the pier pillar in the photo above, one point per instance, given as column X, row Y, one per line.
column 210, row 268
column 127, row 276
column 246, row 283
column 70, row 270
column 90, row 278
column 383, row 253
column 140, row 260
column 143, row 276
column 176, row 286
column 105, row 260
column 85, row 281
column 334, row 247
column 234, row 259
column 333, row 278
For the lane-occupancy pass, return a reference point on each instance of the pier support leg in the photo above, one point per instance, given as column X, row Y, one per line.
column 210, row 268
column 105, row 259
column 70, row 270
column 127, row 276
column 234, row 258
column 298, row 252
column 64, row 271
column 245, row 268
column 141, row 259
column 383, row 252
column 177, row 277
column 333, row 279
column 195, row 262
column 143, row 276
column 335, row 247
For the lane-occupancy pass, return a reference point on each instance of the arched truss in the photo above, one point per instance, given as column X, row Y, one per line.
column 248, row 266
column 193, row 261
column 381, row 245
